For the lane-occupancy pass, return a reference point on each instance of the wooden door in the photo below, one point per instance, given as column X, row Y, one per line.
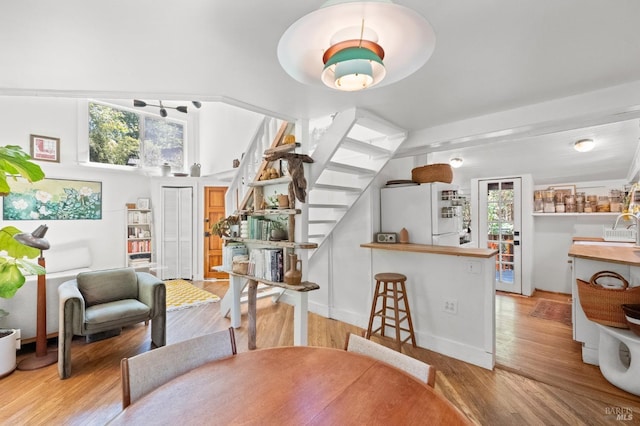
column 214, row 210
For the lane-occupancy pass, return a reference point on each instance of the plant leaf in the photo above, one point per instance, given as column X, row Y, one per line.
column 14, row 161
column 11, row 279
column 13, row 247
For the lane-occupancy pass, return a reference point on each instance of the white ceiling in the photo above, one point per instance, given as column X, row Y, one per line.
column 490, row 56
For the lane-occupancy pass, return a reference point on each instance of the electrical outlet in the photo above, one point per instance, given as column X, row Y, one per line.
column 451, row 306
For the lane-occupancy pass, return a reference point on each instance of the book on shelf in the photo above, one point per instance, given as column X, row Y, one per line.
column 229, row 251
column 266, row 263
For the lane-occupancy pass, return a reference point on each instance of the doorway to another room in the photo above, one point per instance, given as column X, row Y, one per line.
column 500, row 212
column 214, row 210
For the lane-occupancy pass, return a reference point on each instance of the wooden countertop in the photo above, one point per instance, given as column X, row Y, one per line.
column 422, row 248
column 605, row 253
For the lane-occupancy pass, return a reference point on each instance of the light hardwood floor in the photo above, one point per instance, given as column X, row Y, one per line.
column 540, row 378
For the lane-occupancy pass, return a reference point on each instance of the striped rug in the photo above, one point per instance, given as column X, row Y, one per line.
column 182, row 294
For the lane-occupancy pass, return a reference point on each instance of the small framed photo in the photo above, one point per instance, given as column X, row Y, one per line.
column 142, row 204
column 45, row 148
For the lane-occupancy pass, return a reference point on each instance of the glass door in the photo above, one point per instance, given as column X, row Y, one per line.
column 499, row 228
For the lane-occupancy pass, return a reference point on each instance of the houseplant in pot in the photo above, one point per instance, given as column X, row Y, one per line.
column 14, row 162
column 278, row 229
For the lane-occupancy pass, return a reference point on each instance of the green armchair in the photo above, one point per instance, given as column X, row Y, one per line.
column 104, row 301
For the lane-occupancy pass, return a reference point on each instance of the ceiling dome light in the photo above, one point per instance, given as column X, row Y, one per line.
column 584, row 145
column 456, row 162
column 347, row 32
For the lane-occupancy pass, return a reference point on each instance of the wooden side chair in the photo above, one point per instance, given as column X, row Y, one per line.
column 412, row 366
column 146, row 371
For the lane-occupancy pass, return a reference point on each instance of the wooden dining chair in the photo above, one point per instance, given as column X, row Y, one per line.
column 144, row 372
column 412, row 366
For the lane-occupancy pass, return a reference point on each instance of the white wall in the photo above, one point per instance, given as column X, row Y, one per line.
column 554, row 235
column 58, row 117
column 224, row 133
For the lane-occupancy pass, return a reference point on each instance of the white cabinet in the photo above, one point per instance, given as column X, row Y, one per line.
column 139, row 247
column 177, row 233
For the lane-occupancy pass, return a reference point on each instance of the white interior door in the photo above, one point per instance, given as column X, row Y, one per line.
column 177, row 233
column 499, row 227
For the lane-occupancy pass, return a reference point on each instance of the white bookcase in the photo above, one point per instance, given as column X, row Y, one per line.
column 139, row 238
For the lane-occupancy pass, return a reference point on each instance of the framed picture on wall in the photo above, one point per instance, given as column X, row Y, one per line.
column 45, row 148
column 53, row 199
column 142, row 204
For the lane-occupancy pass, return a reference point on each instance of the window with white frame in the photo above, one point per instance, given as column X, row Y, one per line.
column 122, row 137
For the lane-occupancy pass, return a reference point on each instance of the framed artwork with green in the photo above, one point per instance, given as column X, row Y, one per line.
column 53, row 199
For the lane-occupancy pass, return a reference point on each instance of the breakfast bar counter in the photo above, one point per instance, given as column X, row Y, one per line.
column 605, row 251
column 451, row 293
column 424, row 248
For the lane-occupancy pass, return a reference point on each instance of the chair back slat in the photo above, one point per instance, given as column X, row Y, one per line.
column 147, row 371
column 412, row 366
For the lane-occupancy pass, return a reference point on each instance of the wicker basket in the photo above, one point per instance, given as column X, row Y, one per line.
column 432, row 173
column 604, row 304
column 240, row 267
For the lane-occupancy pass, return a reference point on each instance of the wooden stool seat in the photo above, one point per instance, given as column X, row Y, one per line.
column 391, row 285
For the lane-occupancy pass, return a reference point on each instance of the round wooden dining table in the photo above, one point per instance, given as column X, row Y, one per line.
column 296, row 385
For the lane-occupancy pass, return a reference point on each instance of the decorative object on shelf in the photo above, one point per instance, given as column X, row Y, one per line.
column 42, row 357
column 226, row 226
column 163, row 109
column 165, row 169
column 278, row 229
column 294, row 275
column 439, row 172
column 404, row 236
column 45, row 148
column 298, row 184
column 236, row 163
column 131, row 206
column 269, row 173
column 195, row 170
column 53, row 199
column 283, row 201
column 603, row 296
column 348, row 33
column 143, row 203
column 289, row 139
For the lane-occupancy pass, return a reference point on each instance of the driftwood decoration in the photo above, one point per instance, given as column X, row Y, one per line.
column 298, row 184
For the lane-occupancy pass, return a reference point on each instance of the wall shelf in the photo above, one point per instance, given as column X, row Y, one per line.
column 576, row 214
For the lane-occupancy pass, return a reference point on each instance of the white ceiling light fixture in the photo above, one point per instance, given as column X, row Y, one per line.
column 584, row 145
column 353, row 45
column 456, row 162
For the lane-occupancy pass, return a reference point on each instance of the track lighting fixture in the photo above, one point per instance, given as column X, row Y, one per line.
column 163, row 109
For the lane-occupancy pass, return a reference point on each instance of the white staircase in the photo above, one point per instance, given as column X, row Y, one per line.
column 347, row 157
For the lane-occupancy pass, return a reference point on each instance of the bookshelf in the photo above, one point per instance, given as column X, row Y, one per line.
column 139, row 239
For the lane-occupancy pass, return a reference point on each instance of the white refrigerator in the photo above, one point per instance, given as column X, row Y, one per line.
column 428, row 211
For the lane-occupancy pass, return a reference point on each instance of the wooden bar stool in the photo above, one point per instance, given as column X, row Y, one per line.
column 390, row 285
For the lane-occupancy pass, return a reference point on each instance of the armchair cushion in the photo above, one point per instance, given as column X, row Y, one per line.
column 115, row 313
column 98, row 287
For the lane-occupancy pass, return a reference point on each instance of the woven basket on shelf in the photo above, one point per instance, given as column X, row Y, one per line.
column 604, row 304
column 439, row 172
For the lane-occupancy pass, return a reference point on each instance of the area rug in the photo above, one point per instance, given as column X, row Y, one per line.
column 181, row 295
column 552, row 310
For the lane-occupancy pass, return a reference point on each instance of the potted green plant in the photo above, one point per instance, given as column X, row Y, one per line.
column 14, row 162
column 279, row 229
column 227, row 226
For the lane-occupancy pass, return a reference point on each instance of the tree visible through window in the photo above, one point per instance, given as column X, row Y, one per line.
column 125, row 138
